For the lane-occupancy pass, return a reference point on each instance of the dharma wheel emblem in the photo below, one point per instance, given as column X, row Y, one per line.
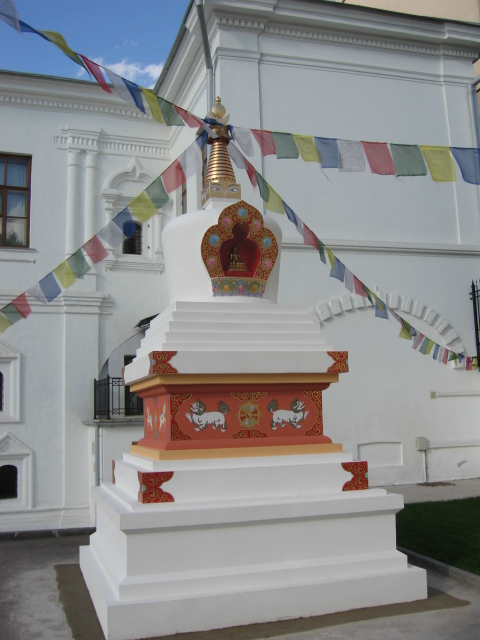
column 249, row 415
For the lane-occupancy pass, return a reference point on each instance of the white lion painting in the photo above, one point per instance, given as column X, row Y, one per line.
column 281, row 417
column 202, row 418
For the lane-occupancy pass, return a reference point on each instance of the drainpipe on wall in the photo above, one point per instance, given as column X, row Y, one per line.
column 206, row 53
column 476, row 115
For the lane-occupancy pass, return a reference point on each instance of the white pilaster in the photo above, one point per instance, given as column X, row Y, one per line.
column 73, row 196
column 91, row 175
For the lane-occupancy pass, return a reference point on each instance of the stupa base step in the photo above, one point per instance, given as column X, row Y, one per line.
column 160, row 569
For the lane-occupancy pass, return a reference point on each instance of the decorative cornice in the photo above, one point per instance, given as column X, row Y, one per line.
column 344, row 39
column 88, row 302
column 19, row 99
column 97, row 141
column 387, row 248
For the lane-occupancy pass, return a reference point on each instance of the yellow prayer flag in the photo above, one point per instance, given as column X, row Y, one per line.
column 65, row 275
column 275, row 203
column 142, row 207
column 4, row 323
column 404, row 334
column 440, row 163
column 307, row 148
column 59, row 41
column 153, row 104
column 430, row 346
column 331, row 257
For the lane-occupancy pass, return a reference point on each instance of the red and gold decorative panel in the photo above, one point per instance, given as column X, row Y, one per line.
column 150, row 486
column 359, row 471
column 340, row 362
column 238, row 252
column 222, row 415
column 160, row 362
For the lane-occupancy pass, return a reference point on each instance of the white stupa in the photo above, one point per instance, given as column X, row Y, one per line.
column 235, row 508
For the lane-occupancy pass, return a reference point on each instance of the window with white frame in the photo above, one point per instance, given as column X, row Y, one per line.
column 14, row 200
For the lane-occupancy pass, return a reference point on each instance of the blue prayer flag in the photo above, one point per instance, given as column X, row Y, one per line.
column 50, row 287
column 469, row 163
column 125, row 222
column 380, row 309
column 290, row 214
column 338, row 270
column 328, row 151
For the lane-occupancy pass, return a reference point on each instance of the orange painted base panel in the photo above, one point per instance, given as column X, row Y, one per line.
column 224, row 416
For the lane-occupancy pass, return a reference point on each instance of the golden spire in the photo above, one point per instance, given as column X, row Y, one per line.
column 220, row 177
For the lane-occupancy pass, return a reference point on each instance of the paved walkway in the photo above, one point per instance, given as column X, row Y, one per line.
column 42, row 597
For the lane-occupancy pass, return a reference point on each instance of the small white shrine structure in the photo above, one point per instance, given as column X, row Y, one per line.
column 235, row 507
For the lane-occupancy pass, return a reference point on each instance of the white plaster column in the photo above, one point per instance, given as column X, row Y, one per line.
column 91, row 180
column 73, row 197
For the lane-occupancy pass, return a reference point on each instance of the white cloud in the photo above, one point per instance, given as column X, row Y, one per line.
column 137, row 72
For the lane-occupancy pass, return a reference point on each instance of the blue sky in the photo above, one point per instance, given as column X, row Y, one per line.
column 133, row 38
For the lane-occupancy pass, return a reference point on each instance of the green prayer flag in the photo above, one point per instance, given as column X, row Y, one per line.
column 4, row 322
column 11, row 313
column 408, row 160
column 285, row 145
column 152, row 100
column 78, row 264
column 423, row 347
column 156, row 192
column 452, row 356
column 263, row 187
column 321, row 251
column 64, row 274
column 169, row 114
column 307, row 147
column 142, row 207
column 369, row 294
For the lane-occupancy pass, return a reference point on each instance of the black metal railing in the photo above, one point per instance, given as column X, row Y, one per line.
column 111, row 398
column 475, row 297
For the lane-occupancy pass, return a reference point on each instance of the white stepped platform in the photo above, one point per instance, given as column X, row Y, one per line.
column 246, row 541
column 226, row 337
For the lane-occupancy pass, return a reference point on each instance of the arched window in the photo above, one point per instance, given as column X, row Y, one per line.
column 133, row 244
column 8, row 482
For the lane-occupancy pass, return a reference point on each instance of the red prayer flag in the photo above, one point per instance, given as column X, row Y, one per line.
column 309, row 237
column 469, row 364
column 95, row 250
column 173, row 177
column 251, row 172
column 21, row 305
column 96, row 72
column 445, row 356
column 188, row 118
column 265, row 142
column 379, row 158
column 358, row 287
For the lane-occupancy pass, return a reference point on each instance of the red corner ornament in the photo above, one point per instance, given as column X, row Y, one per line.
column 340, row 362
column 359, row 470
column 150, row 487
column 160, row 362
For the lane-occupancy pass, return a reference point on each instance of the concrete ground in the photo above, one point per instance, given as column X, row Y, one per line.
column 43, row 597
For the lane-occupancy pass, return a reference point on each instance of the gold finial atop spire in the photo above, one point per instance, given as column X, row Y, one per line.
column 218, row 110
column 220, row 177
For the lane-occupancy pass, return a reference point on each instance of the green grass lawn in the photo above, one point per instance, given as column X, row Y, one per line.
column 446, row 531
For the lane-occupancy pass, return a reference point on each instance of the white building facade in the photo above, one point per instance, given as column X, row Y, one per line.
column 311, row 68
